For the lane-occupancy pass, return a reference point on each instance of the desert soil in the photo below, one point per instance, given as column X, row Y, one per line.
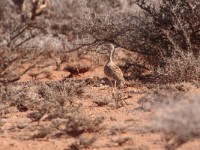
column 125, row 127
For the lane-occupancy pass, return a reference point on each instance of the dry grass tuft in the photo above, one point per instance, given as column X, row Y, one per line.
column 122, row 140
column 83, row 143
column 77, row 124
column 179, row 121
column 166, row 94
column 55, row 103
column 180, row 69
column 102, row 102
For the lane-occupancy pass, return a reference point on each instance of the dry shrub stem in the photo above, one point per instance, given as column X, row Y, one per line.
column 52, row 102
column 161, row 32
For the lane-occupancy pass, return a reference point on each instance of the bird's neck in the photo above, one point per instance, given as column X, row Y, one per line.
column 111, row 55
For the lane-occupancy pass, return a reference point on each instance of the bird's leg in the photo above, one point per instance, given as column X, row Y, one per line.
column 114, row 93
column 113, row 87
column 115, row 84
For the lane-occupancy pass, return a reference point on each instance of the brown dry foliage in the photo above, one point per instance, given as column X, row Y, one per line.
column 161, row 32
column 165, row 94
column 176, row 109
column 52, row 102
column 180, row 69
column 178, row 121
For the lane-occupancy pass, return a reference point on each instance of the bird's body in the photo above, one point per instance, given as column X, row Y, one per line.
column 112, row 71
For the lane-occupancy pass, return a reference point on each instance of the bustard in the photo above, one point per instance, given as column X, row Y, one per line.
column 112, row 71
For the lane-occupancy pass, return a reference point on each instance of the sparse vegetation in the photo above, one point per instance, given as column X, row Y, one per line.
column 82, row 143
column 179, row 122
column 48, row 101
column 162, row 33
column 165, row 94
column 52, row 85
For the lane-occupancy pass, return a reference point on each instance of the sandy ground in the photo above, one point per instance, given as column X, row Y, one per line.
column 125, row 127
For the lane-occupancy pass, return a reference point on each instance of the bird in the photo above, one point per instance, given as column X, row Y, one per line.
column 112, row 71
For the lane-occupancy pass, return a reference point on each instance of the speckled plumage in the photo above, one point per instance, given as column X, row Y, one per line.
column 112, row 71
